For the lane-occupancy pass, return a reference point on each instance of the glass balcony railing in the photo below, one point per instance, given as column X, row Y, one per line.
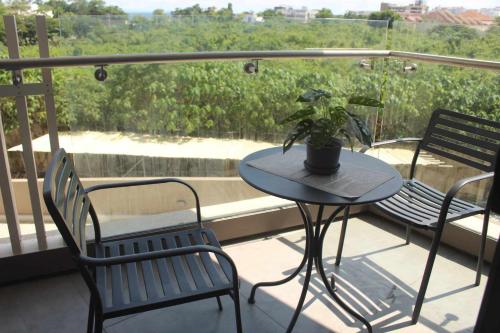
column 197, row 120
column 410, row 99
column 98, row 35
column 447, row 39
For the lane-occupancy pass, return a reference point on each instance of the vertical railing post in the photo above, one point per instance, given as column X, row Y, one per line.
column 22, row 115
column 43, row 46
column 9, row 203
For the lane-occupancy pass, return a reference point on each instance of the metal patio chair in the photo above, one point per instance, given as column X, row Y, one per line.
column 487, row 318
column 462, row 138
column 130, row 275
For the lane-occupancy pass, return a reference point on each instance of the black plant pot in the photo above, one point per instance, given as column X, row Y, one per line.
column 324, row 160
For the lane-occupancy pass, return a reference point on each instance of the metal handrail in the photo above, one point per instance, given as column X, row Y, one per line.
column 71, row 61
column 447, row 60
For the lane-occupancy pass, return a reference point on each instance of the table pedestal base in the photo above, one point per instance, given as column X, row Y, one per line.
column 315, row 236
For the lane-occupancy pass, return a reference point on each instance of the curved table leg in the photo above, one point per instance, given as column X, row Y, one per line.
column 305, row 287
column 251, row 299
column 312, row 255
column 327, row 224
column 330, row 287
column 310, row 258
column 322, row 238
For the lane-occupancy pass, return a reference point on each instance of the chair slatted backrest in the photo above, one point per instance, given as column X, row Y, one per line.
column 466, row 139
column 66, row 201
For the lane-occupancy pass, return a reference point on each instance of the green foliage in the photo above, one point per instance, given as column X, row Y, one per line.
column 270, row 13
column 158, row 12
column 321, row 120
column 196, row 10
column 18, row 7
column 386, row 15
column 353, row 15
column 188, row 11
column 324, row 13
column 218, row 99
column 78, row 7
column 454, row 35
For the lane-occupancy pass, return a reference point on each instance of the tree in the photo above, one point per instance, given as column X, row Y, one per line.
column 226, row 11
column 269, row 13
column 18, row 7
column 158, row 12
column 93, row 7
column 386, row 15
column 57, row 7
column 188, row 11
column 352, row 15
column 324, row 13
column 210, row 11
column 455, row 35
column 3, row 9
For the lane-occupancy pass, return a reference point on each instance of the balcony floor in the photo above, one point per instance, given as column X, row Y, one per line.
column 378, row 277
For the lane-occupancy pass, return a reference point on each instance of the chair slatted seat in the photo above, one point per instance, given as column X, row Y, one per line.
column 162, row 281
column 468, row 140
column 129, row 275
column 420, row 205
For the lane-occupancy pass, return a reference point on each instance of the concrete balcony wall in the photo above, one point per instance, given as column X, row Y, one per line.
column 149, row 199
column 439, row 173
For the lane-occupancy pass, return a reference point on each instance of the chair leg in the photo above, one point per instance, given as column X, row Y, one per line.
column 342, row 236
column 480, row 257
column 237, row 310
column 427, row 275
column 98, row 320
column 408, row 234
column 90, row 321
column 98, row 325
column 219, row 303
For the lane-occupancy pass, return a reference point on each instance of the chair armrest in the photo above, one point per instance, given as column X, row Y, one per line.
column 454, row 190
column 386, row 142
column 153, row 181
column 129, row 258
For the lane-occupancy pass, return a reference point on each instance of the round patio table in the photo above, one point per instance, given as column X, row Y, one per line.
column 315, row 233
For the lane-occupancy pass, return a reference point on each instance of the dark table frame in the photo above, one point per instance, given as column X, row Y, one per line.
column 315, row 234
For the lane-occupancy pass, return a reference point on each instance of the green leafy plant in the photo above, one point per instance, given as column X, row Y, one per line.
column 322, row 121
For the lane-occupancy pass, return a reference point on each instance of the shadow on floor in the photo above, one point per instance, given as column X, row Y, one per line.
column 379, row 296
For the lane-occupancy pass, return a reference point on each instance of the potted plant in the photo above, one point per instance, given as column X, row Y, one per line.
column 323, row 125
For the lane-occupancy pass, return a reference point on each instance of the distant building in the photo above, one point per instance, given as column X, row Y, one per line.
column 469, row 17
column 302, row 13
column 477, row 16
column 252, row 18
column 413, row 18
column 493, row 12
column 416, row 8
column 453, row 10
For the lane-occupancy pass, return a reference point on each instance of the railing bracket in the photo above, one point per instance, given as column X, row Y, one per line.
column 409, row 68
column 252, row 67
column 17, row 78
column 100, row 73
column 365, row 64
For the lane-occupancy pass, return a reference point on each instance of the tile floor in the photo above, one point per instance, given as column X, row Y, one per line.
column 378, row 277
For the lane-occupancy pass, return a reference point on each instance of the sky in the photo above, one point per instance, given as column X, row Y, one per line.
column 338, row 7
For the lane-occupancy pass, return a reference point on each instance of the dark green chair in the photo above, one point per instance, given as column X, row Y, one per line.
column 470, row 140
column 135, row 274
